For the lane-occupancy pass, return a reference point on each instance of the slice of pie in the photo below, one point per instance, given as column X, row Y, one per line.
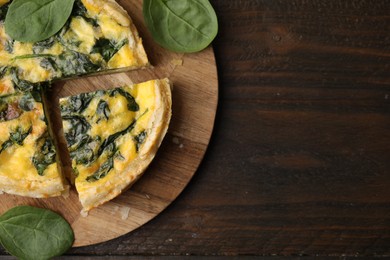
column 99, row 36
column 28, row 164
column 112, row 136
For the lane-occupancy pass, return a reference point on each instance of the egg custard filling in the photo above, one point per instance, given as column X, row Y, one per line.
column 112, row 136
column 99, row 36
column 28, row 164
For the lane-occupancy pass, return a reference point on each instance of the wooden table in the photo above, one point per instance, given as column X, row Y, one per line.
column 299, row 161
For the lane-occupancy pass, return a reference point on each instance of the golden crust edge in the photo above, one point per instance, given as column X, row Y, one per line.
column 34, row 188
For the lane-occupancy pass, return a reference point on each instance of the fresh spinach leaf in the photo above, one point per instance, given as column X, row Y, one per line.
column 107, row 48
column 36, row 20
column 33, row 233
column 181, row 25
column 132, row 104
column 46, row 156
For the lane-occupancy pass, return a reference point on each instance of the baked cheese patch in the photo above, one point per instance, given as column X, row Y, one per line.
column 28, row 164
column 112, row 136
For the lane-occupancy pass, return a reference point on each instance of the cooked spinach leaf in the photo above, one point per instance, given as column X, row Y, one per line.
column 103, row 109
column 36, row 20
column 40, row 46
column 107, row 48
column 181, row 25
column 26, row 103
column 9, row 45
column 80, row 10
column 32, row 56
column 3, row 11
column 132, row 104
column 103, row 170
column 22, row 85
column 16, row 137
column 111, row 139
column 46, row 156
column 3, row 70
column 48, row 64
column 77, row 132
column 85, row 153
column 75, row 63
column 33, row 233
column 77, row 104
column 139, row 139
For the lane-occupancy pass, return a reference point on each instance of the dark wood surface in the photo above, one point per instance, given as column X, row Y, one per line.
column 299, row 161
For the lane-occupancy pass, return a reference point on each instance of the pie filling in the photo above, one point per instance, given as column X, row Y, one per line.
column 98, row 37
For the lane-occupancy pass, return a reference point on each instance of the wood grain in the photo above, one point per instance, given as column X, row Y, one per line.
column 195, row 97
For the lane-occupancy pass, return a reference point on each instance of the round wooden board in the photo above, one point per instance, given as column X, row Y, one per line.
column 195, row 98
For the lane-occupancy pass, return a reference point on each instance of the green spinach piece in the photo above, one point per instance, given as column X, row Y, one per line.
column 85, row 153
column 132, row 104
column 109, row 141
column 103, row 170
column 103, row 109
column 16, row 137
column 49, row 64
column 33, row 233
column 80, row 10
column 36, row 20
column 77, row 104
column 46, row 156
column 40, row 46
column 26, row 102
column 75, row 63
column 107, row 48
column 181, row 25
column 9, row 45
column 3, row 70
column 139, row 139
column 21, row 85
column 77, row 132
column 3, row 11
column 32, row 56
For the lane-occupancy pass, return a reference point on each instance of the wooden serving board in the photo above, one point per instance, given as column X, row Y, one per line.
column 195, row 98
